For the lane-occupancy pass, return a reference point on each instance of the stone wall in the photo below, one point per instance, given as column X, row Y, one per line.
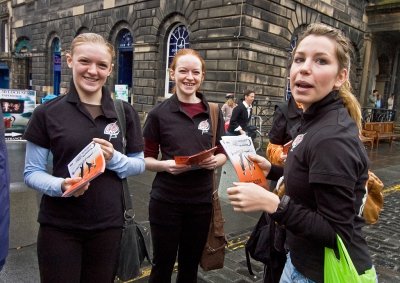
column 245, row 43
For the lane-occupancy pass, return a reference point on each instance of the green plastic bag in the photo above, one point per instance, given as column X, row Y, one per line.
column 342, row 270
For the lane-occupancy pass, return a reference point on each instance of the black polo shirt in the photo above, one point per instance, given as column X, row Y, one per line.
column 65, row 127
column 178, row 134
column 325, row 175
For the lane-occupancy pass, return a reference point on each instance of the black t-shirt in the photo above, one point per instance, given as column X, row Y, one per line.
column 65, row 127
column 178, row 134
column 325, row 175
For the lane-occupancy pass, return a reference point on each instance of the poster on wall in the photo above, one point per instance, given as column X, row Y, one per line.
column 17, row 106
column 121, row 92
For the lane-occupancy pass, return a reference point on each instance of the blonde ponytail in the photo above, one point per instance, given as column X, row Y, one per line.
column 351, row 103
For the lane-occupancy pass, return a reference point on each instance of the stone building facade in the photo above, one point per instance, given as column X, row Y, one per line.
column 245, row 43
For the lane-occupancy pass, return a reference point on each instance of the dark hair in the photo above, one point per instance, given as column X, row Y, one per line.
column 247, row 92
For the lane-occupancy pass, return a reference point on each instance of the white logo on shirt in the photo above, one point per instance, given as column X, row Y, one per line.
column 297, row 141
column 112, row 130
column 204, row 126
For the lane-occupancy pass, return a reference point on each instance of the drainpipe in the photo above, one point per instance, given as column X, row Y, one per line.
column 238, row 46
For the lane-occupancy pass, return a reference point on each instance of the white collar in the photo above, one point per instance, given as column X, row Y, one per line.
column 247, row 106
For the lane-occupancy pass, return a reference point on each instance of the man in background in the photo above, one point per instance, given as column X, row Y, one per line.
column 241, row 115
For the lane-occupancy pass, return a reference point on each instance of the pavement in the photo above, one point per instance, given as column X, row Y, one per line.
column 383, row 238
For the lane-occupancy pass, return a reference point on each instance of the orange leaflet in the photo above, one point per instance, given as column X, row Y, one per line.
column 196, row 158
column 88, row 164
column 286, row 147
column 238, row 148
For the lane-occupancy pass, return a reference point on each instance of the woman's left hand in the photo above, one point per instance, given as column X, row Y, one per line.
column 251, row 197
column 107, row 148
column 209, row 163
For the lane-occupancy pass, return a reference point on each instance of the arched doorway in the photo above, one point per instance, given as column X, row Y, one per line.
column 178, row 38
column 125, row 57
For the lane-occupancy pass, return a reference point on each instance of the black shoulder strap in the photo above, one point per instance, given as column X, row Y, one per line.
column 119, row 108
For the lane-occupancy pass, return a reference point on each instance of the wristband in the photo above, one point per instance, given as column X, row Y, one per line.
column 283, row 205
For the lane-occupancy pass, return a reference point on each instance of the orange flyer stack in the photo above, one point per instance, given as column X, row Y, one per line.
column 88, row 164
column 238, row 148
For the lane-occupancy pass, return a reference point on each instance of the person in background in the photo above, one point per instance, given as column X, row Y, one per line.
column 378, row 102
column 227, row 108
column 241, row 115
column 4, row 196
column 286, row 115
column 390, row 102
column 180, row 199
column 79, row 236
column 327, row 167
column 372, row 98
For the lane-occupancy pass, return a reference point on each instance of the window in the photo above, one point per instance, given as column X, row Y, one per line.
column 56, row 58
column 178, row 39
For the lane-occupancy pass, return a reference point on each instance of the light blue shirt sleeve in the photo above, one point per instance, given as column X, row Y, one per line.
column 35, row 172
column 127, row 165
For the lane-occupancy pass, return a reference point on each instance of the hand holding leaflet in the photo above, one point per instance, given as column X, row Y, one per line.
column 88, row 164
column 238, row 148
column 196, row 158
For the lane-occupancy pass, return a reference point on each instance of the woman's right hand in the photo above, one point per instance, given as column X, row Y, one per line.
column 68, row 182
column 264, row 164
column 171, row 167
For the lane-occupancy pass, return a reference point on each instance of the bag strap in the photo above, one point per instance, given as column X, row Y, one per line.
column 127, row 202
column 214, row 111
column 214, row 120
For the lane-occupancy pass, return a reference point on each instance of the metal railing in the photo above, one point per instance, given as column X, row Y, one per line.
column 370, row 114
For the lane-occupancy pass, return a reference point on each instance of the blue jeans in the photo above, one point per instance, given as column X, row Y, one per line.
column 291, row 275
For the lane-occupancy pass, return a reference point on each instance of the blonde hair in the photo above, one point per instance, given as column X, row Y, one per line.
column 230, row 102
column 343, row 53
column 91, row 38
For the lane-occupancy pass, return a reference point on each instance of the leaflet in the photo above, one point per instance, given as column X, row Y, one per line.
column 196, row 158
column 88, row 164
column 238, row 148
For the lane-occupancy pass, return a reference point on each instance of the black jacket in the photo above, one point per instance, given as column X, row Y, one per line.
column 240, row 118
column 325, row 175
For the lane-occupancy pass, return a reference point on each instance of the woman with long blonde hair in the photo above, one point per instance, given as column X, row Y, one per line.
column 326, row 168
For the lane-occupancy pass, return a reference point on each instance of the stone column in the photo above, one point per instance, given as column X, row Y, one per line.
column 366, row 68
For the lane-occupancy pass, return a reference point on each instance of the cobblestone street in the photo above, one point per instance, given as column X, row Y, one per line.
column 383, row 238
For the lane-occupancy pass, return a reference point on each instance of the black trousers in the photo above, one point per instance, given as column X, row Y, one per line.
column 177, row 229
column 72, row 256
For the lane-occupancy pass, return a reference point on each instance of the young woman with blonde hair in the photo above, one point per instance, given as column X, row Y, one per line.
column 79, row 236
column 327, row 167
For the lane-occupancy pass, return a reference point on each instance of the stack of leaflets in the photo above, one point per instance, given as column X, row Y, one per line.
column 88, row 164
column 238, row 148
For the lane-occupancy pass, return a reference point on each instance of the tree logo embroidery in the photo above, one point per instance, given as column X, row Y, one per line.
column 112, row 130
